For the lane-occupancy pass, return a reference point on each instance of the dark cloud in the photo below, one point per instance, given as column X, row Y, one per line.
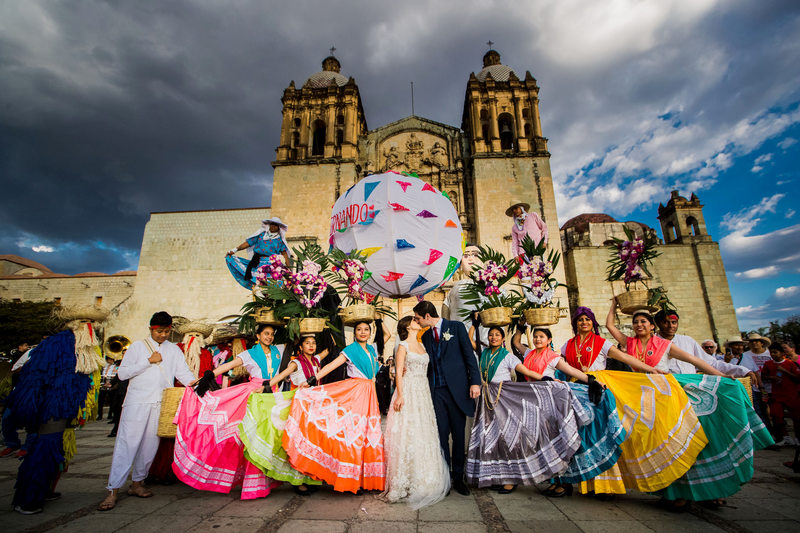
column 110, row 110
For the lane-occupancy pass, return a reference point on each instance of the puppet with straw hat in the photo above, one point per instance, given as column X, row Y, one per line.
column 525, row 223
column 58, row 387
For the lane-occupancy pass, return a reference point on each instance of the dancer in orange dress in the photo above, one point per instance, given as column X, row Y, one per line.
column 334, row 431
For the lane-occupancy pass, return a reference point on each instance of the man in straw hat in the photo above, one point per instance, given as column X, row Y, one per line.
column 52, row 390
column 151, row 365
column 269, row 241
column 735, row 346
column 530, row 224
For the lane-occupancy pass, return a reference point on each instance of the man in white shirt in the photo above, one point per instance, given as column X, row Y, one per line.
column 151, row 365
column 668, row 329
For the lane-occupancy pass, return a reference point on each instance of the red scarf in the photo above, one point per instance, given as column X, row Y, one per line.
column 582, row 356
column 651, row 354
column 309, row 368
column 538, row 361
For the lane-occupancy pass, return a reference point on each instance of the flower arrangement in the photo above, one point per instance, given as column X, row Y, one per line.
column 273, row 270
column 536, row 275
column 488, row 277
column 349, row 272
column 629, row 259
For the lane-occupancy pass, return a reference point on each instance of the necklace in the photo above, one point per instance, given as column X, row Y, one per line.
column 640, row 348
column 485, row 372
column 580, row 347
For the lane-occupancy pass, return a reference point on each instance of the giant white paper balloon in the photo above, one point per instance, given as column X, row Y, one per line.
column 409, row 229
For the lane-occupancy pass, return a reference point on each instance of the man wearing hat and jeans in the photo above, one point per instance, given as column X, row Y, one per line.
column 754, row 359
column 530, row 224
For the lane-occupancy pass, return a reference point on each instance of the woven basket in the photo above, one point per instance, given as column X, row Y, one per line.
column 496, row 316
column 312, row 325
column 266, row 315
column 353, row 314
column 169, row 406
column 748, row 387
column 631, row 301
column 545, row 316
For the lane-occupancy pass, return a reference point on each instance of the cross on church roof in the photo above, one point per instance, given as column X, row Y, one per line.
column 490, row 43
column 332, row 49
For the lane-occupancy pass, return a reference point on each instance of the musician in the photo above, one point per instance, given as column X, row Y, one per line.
column 150, row 365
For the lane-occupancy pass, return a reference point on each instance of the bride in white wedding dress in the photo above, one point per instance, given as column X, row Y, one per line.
column 416, row 471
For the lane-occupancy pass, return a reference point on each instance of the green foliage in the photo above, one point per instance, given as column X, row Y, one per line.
column 26, row 321
column 778, row 332
column 533, row 250
column 474, row 293
column 617, row 266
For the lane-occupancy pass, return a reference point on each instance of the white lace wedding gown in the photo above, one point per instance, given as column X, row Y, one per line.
column 416, row 471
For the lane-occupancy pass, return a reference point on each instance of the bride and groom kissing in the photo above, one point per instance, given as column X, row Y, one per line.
column 436, row 386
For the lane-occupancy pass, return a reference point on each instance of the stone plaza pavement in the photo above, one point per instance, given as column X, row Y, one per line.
column 768, row 504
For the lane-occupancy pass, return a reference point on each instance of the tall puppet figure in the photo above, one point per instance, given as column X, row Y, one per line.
column 271, row 240
column 52, row 392
column 530, row 224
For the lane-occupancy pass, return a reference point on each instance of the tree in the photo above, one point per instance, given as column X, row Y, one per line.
column 25, row 322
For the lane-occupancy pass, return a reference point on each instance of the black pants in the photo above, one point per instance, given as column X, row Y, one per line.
column 102, row 399
column 451, row 422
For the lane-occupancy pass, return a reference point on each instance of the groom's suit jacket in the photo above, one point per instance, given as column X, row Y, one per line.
column 458, row 362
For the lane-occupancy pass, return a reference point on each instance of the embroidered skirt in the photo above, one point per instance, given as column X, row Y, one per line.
column 208, row 452
column 524, row 433
column 261, row 432
column 600, row 438
column 664, row 433
column 734, row 431
column 333, row 434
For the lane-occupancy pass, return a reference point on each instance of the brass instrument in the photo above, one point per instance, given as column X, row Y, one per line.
column 115, row 346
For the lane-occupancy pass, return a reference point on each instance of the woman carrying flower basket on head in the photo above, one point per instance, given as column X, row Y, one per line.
column 264, row 422
column 600, row 439
column 334, row 431
column 509, row 444
column 270, row 241
column 664, row 435
column 208, row 452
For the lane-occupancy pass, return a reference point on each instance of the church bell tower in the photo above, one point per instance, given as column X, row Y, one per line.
column 316, row 157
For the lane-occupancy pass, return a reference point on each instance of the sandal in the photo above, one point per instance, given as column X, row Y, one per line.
column 143, row 493
column 109, row 503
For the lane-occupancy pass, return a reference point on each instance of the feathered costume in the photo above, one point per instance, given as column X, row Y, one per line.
column 49, row 394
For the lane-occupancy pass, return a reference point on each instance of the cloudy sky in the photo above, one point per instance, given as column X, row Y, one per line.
column 111, row 110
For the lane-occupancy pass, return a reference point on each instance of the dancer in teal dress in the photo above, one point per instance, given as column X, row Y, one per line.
column 271, row 240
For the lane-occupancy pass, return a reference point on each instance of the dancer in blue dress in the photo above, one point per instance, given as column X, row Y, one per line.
column 271, row 240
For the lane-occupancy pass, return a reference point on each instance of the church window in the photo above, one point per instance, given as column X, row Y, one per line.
column 526, row 113
column 527, row 130
column 98, row 300
column 339, row 136
column 340, row 119
column 318, row 147
column 297, row 123
column 692, row 223
column 485, row 131
column 505, row 126
column 669, row 233
column 295, row 139
column 57, row 300
column 484, row 114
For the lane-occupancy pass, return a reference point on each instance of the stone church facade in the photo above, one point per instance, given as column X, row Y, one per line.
column 498, row 156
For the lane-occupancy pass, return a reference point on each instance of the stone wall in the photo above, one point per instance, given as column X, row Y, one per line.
column 111, row 290
column 182, row 268
column 703, row 301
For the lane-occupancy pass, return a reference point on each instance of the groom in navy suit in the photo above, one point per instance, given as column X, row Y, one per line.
column 455, row 383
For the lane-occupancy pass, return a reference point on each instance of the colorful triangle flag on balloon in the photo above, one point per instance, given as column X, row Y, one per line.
column 369, row 187
column 419, row 281
column 348, row 191
column 398, row 207
column 367, row 275
column 370, row 217
column 342, row 230
column 392, row 276
column 452, row 263
column 369, row 251
column 445, row 195
column 426, row 214
column 435, row 254
column 428, row 187
column 368, row 297
column 404, row 184
column 450, row 224
column 402, row 243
